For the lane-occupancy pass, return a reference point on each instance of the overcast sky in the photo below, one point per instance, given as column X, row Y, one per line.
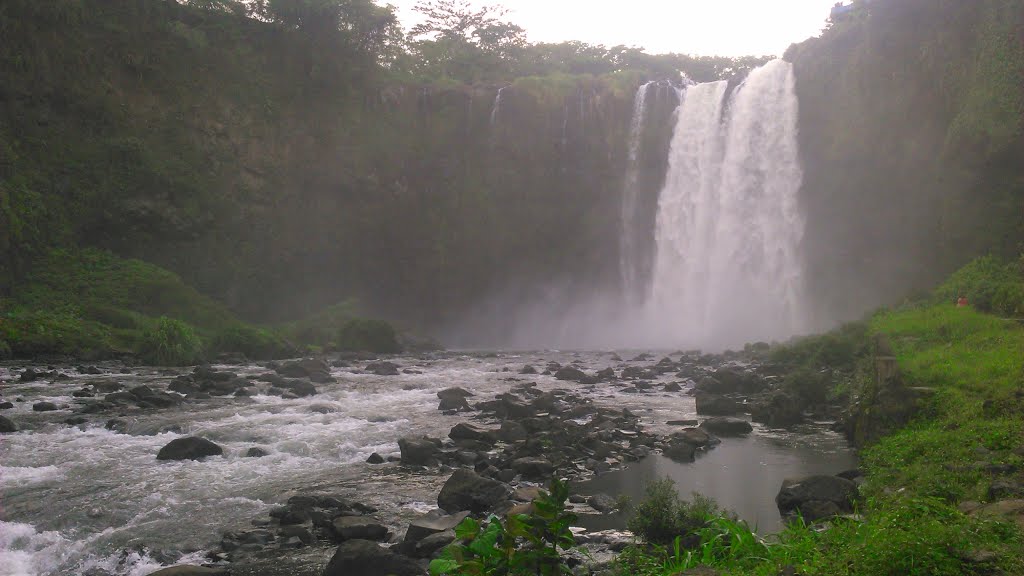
column 704, row 27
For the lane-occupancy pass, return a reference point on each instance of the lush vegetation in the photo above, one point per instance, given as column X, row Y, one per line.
column 911, row 137
column 519, row 544
column 92, row 304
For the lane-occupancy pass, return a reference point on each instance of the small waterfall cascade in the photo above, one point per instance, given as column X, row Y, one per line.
column 496, row 108
column 727, row 264
column 629, row 257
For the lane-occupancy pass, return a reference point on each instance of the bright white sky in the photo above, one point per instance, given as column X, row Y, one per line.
column 702, row 27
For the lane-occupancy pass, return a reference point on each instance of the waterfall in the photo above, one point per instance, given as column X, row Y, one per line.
column 496, row 109
column 629, row 255
column 727, row 266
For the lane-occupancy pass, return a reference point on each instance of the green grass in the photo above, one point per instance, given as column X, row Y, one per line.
column 915, row 477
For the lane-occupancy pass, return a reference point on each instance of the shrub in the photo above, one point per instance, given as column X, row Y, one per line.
column 663, row 516
column 989, row 285
column 171, row 342
column 522, row 544
column 368, row 335
column 810, row 386
column 5, row 350
column 255, row 343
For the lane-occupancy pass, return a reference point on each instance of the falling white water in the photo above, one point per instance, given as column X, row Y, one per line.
column 727, row 267
column 496, row 109
column 629, row 257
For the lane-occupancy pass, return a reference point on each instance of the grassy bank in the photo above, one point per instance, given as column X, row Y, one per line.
column 963, row 446
column 90, row 304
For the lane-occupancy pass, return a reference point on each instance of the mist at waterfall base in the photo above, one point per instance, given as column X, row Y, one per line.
column 714, row 261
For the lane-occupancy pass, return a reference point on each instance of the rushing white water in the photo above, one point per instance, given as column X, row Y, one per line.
column 496, row 108
column 728, row 268
column 628, row 252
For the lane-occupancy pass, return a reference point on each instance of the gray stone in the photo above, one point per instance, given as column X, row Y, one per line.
column 466, row 490
column 725, row 426
column 418, row 451
column 359, row 528
column 714, row 405
column 467, row 431
column 7, row 426
column 533, row 468
column 428, row 546
column 811, row 496
column 433, row 523
column 191, row 448
column 366, row 558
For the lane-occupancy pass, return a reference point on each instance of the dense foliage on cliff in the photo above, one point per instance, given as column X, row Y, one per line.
column 284, row 156
column 912, row 137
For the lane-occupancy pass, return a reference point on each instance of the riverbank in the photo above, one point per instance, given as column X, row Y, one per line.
column 940, row 495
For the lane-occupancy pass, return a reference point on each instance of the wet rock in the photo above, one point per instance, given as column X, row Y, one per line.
column 300, row 388
column 637, row 373
column 511, row 431
column 680, row 451
column 533, row 468
column 190, row 448
column 433, row 523
column 6, row 405
column 117, row 425
column 1010, row 510
column 682, row 423
column 82, row 394
column 90, row 370
column 382, row 368
column 256, row 452
column 466, row 490
column 713, row 405
column 571, row 374
column 295, row 531
column 420, row 451
column 778, row 410
column 467, row 431
column 44, row 407
column 603, row 503
column 30, row 375
column 816, row 497
column 75, row 420
column 316, row 370
column 375, row 459
column 7, row 426
column 726, row 426
column 428, row 546
column 359, row 528
column 606, row 374
column 455, row 404
column 694, row 436
column 190, row 570
column 1005, row 489
column 673, row 387
column 366, row 558
column 528, row 370
column 455, row 392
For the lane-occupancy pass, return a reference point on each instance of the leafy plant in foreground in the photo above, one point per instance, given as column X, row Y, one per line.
column 522, row 544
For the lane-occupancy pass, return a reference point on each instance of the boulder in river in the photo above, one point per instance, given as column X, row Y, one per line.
column 466, row 490
column 359, row 528
column 382, row 368
column 570, row 373
column 433, row 523
column 314, row 369
column 190, row 448
column 533, row 468
column 420, row 451
column 726, row 426
column 714, row 405
column 816, row 497
column 7, row 426
column 778, row 410
column 44, row 407
column 468, row 431
column 190, row 570
column 511, row 431
column 366, row 558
